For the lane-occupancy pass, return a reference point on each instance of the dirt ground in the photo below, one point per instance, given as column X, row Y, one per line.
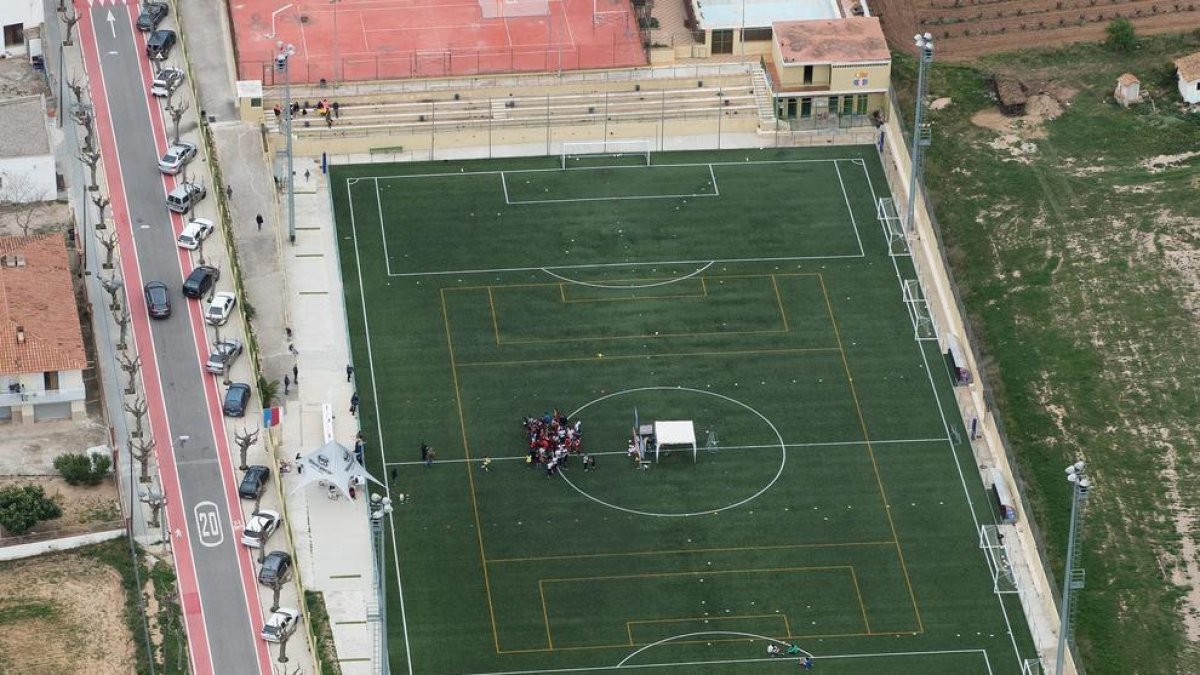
column 30, row 449
column 63, row 614
column 84, row 508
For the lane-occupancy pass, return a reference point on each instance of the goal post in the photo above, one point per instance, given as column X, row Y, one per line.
column 634, row 149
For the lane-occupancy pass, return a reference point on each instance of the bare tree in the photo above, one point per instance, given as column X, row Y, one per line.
column 131, row 366
column 109, row 242
column 102, row 202
column 76, row 89
column 138, row 410
column 113, row 285
column 176, row 112
column 276, row 586
column 244, row 439
column 283, row 640
column 122, row 320
column 92, row 159
column 82, row 114
column 22, row 195
column 142, row 451
column 69, row 19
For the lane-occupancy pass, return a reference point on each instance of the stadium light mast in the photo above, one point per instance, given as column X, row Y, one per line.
column 283, row 64
column 381, row 507
column 921, row 136
column 1080, row 485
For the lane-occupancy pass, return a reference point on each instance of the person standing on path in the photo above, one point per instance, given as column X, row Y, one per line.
column 228, row 192
column 296, row 374
column 349, row 372
column 259, row 219
column 429, row 456
column 287, row 382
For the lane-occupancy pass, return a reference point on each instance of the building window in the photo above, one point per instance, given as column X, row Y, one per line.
column 722, row 41
column 847, row 105
column 806, row 108
column 14, row 35
column 756, row 35
column 50, row 379
column 861, row 104
column 808, row 74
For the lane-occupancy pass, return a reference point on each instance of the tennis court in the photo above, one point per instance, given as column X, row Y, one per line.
column 831, row 503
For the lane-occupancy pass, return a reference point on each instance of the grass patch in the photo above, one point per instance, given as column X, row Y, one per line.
column 318, row 621
column 1067, row 259
column 20, row 611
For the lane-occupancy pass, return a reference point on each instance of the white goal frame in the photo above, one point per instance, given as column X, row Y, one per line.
column 616, row 148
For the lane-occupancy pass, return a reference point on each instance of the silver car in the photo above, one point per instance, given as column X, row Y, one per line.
column 281, row 624
column 222, row 356
column 166, row 81
column 177, row 156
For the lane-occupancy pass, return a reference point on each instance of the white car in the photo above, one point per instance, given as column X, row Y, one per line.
column 220, row 309
column 281, row 624
column 259, row 528
column 177, row 156
column 166, row 81
column 194, row 232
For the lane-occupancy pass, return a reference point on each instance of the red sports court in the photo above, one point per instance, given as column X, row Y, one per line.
column 339, row 40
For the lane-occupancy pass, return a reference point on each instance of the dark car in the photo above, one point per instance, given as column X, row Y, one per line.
column 152, row 14
column 254, row 482
column 237, row 397
column 158, row 300
column 200, row 280
column 159, row 45
column 276, row 568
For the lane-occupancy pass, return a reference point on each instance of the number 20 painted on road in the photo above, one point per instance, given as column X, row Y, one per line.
column 208, row 524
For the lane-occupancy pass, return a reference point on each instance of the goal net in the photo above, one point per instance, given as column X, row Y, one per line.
column 634, row 152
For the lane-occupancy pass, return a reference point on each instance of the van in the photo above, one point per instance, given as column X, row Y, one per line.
column 159, row 45
column 200, row 280
column 185, row 196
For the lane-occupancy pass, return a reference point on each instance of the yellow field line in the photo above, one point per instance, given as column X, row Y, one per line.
column 545, row 284
column 545, row 615
column 871, row 453
column 862, row 606
column 632, row 298
column 470, row 473
column 704, row 286
column 651, row 336
column 746, row 352
column 779, row 301
column 735, row 549
column 492, row 309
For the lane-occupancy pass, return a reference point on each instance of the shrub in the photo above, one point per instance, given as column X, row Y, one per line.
column 1121, row 36
column 80, row 469
column 23, row 506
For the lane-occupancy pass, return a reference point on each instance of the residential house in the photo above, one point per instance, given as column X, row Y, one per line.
column 1188, row 68
column 42, row 356
column 27, row 169
column 744, row 27
column 16, row 18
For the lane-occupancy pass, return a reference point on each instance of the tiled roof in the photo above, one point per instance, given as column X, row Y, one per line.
column 1127, row 79
column 37, row 295
column 23, row 131
column 1189, row 67
column 856, row 39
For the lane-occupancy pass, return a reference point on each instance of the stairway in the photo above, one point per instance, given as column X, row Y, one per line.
column 766, row 102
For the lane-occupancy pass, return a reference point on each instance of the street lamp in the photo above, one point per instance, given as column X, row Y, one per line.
column 920, row 137
column 282, row 64
column 1080, row 485
column 382, row 507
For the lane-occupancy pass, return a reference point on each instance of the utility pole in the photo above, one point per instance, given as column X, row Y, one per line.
column 1073, row 576
column 382, row 507
column 921, row 136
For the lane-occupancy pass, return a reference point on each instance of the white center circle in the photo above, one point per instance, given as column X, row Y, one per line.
column 768, row 486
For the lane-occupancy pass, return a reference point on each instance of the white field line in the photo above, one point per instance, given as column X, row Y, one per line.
column 685, row 277
column 596, row 168
column 713, row 175
column 849, row 209
column 378, row 420
column 387, row 259
column 775, row 446
column 610, row 199
column 504, row 184
column 650, row 263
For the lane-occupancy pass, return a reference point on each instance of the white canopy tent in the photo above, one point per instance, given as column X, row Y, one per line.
column 334, row 466
column 679, row 433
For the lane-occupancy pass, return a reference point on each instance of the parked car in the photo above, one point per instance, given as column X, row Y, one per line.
column 151, row 15
column 194, row 232
column 259, row 528
column 281, row 624
column 220, row 309
column 200, row 280
column 159, row 44
column 185, row 196
column 276, row 568
column 222, row 356
column 158, row 300
column 166, row 81
column 237, row 397
column 254, row 482
column 176, row 157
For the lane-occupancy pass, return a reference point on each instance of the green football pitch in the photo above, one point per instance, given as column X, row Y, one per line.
column 832, row 504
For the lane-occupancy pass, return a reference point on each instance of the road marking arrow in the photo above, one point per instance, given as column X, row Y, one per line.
column 112, row 23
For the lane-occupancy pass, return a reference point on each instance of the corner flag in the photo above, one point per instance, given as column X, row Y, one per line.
column 272, row 417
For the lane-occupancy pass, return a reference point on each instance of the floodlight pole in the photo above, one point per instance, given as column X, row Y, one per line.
column 1080, row 484
column 283, row 63
column 925, row 48
column 382, row 508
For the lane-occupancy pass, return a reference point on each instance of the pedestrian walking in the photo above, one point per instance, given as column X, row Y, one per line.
column 287, row 382
column 307, row 173
column 393, row 475
column 349, row 372
column 259, row 219
column 429, row 456
column 278, row 111
column 293, row 350
column 354, row 400
column 337, row 110
column 329, row 121
column 424, row 451
column 296, row 374
column 486, row 465
column 228, row 192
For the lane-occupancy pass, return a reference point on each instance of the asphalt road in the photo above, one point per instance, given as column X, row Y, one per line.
column 190, row 398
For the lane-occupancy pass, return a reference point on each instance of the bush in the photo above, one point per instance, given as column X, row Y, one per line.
column 1121, row 37
column 80, row 469
column 23, row 506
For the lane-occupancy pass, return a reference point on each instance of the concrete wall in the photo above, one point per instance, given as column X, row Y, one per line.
column 64, row 544
column 1190, row 91
column 28, row 179
column 875, row 76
